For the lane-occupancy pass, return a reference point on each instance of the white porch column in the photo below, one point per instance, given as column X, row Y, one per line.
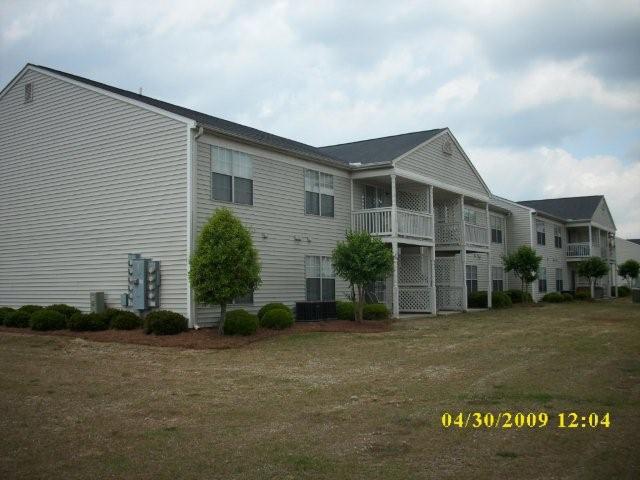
column 615, row 278
column 434, row 303
column 489, row 286
column 465, row 303
column 592, row 286
column 394, row 209
column 351, row 204
column 396, row 290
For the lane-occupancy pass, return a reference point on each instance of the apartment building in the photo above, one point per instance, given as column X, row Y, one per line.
column 93, row 173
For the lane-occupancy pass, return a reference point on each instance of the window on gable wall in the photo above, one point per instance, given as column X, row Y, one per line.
column 231, row 176
column 28, row 92
column 557, row 236
column 496, row 229
column 318, row 193
column 540, row 234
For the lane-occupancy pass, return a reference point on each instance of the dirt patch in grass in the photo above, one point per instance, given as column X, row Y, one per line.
column 208, row 338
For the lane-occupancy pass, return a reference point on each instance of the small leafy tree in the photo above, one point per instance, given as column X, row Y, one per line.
column 225, row 264
column 629, row 270
column 362, row 259
column 592, row 269
column 524, row 263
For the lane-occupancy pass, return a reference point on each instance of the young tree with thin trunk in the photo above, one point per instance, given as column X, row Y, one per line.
column 361, row 260
column 593, row 269
column 225, row 264
column 524, row 263
column 629, row 270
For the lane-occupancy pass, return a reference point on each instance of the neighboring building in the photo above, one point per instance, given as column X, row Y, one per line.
column 627, row 250
column 91, row 173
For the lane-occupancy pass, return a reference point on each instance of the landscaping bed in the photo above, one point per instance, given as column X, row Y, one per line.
column 209, row 338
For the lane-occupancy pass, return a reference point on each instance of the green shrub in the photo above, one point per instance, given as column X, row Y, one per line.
column 500, row 300
column 517, row 295
column 17, row 319
column 375, row 311
column 164, row 322
column 477, row 300
column 29, row 309
column 345, row 310
column 271, row 306
column 124, row 320
column 241, row 322
column 46, row 319
column 66, row 310
column 553, row 297
column 88, row 322
column 567, row 297
column 582, row 295
column 277, row 319
column 4, row 311
column 624, row 291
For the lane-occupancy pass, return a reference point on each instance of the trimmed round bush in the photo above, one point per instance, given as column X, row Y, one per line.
column 4, row 311
column 567, row 297
column 88, row 322
column 375, row 311
column 46, row 319
column 164, row 322
column 17, row 319
column 553, row 297
column 518, row 295
column 477, row 300
column 345, row 310
column 241, row 322
column 277, row 319
column 271, row 306
column 582, row 295
column 66, row 310
column 29, row 309
column 624, row 291
column 125, row 320
column 500, row 300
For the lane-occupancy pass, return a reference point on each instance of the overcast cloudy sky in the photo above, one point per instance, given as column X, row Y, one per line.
column 543, row 96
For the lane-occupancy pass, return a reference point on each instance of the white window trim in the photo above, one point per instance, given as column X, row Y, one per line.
column 319, row 192
column 321, row 277
column 233, row 177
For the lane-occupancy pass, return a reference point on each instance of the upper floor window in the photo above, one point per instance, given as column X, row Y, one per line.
column 244, row 300
column 375, row 197
column 28, row 92
column 470, row 216
column 542, row 279
column 540, row 233
column 557, row 236
column 472, row 278
column 320, row 278
column 318, row 193
column 497, row 279
column 231, row 176
column 496, row 229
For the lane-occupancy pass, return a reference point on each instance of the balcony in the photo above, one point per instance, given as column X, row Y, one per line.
column 476, row 234
column 581, row 249
column 377, row 221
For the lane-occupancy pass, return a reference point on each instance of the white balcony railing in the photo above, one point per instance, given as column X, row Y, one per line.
column 476, row 234
column 414, row 224
column 578, row 249
column 377, row 221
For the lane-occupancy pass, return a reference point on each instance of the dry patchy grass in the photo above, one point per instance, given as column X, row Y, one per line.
column 330, row 405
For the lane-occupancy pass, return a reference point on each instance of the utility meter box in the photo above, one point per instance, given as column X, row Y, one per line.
column 143, row 283
column 96, row 301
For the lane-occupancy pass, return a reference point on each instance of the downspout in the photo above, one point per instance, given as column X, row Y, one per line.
column 191, row 162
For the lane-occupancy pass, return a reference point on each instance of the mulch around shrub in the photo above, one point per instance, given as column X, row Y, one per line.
column 208, row 338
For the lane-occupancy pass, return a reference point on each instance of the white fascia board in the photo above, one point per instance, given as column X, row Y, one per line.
column 189, row 121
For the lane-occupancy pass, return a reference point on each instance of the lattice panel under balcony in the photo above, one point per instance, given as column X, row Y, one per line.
column 449, row 298
column 448, row 211
column 413, row 269
column 416, row 201
column 449, row 271
column 415, row 299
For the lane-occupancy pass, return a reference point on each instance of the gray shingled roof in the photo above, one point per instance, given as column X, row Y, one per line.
column 379, row 150
column 635, row 240
column 571, row 208
column 215, row 123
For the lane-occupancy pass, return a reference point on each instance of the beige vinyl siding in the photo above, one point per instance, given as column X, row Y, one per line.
column 275, row 219
column 85, row 180
column 429, row 160
column 498, row 250
column 552, row 258
column 602, row 216
column 626, row 250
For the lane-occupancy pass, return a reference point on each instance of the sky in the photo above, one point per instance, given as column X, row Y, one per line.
column 543, row 96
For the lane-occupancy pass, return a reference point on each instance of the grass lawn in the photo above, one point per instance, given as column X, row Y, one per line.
column 331, row 405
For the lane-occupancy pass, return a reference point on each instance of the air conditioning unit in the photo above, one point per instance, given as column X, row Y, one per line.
column 315, row 311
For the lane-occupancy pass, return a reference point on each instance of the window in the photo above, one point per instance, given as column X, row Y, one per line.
column 318, row 193
column 596, row 238
column 375, row 197
column 540, row 233
column 244, row 300
column 231, row 176
column 496, row 229
column 559, row 286
column 320, row 278
column 28, row 92
column 497, row 279
column 557, row 236
column 472, row 278
column 542, row 279
column 470, row 216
